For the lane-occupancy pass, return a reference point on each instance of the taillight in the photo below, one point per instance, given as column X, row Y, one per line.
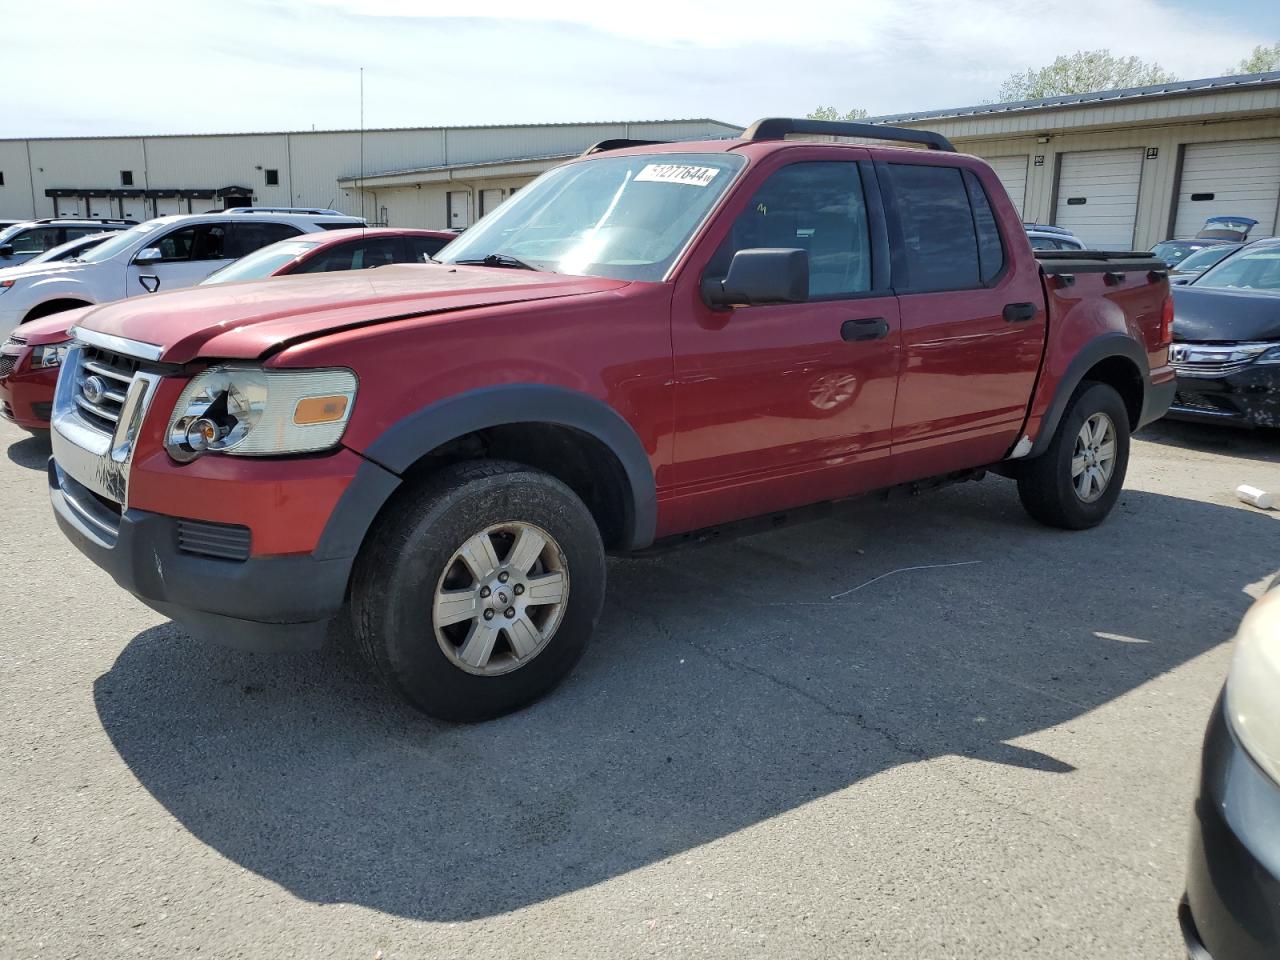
column 1166, row 321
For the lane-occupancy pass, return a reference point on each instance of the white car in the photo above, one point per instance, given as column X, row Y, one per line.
column 167, row 253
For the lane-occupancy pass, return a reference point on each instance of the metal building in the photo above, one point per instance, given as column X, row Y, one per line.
column 1128, row 168
column 424, row 176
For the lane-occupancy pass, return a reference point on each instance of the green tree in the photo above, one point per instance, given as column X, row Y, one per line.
column 1085, row 71
column 1262, row 60
column 831, row 113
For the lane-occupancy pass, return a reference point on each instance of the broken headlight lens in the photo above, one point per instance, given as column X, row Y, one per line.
column 253, row 412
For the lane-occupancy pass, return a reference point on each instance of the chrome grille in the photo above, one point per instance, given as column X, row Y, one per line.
column 1210, row 368
column 102, row 382
column 7, row 363
column 1214, row 359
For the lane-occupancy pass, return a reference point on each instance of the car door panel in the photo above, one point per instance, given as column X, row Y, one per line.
column 780, row 405
column 968, row 368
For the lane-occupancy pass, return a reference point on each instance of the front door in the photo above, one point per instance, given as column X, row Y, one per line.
column 187, row 255
column 973, row 322
column 787, row 404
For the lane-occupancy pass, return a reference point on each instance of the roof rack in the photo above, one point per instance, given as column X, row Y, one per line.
column 84, row 219
column 777, row 128
column 309, row 211
column 620, row 143
column 1048, row 228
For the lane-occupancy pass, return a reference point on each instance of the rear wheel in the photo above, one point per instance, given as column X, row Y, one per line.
column 1075, row 483
column 478, row 593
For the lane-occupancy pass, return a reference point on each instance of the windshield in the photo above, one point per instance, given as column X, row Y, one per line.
column 262, row 263
column 626, row 218
column 70, row 249
column 1247, row 270
column 121, row 241
column 1173, row 252
column 1204, row 259
column 8, row 232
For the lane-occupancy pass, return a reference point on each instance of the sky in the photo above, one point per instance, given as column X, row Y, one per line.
column 88, row 67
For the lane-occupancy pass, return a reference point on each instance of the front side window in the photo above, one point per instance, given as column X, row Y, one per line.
column 422, row 249
column 36, row 241
column 1247, row 270
column 625, row 217
column 816, row 207
column 201, row 241
column 938, row 231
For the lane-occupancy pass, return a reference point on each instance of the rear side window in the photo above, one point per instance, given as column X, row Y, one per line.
column 940, row 230
column 816, row 207
column 990, row 249
column 248, row 237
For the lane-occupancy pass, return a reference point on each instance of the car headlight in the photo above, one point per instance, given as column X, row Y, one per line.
column 1253, row 685
column 49, row 355
column 1271, row 356
column 253, row 412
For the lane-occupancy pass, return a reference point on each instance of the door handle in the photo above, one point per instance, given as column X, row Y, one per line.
column 1019, row 312
column 872, row 328
column 150, row 283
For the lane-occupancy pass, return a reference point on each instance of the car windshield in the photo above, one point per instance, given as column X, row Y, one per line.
column 121, row 241
column 1204, row 259
column 262, row 263
column 1174, row 252
column 625, row 217
column 70, row 249
column 12, row 231
column 1247, row 270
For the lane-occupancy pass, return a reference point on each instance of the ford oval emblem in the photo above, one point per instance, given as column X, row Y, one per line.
column 94, row 389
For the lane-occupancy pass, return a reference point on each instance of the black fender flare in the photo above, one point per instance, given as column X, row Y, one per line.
column 417, row 434
column 1102, row 347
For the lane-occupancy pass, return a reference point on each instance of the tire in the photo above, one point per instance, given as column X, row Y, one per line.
column 419, row 613
column 1046, row 485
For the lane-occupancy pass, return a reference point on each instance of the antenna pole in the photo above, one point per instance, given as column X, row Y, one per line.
column 362, row 216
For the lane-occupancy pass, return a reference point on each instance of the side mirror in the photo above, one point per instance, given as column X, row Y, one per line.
column 762, row 275
column 6, row 251
column 149, row 255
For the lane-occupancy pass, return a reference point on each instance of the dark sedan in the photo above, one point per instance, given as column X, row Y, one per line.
column 1226, row 333
column 1232, row 907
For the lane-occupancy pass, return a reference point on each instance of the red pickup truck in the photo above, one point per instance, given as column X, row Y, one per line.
column 649, row 341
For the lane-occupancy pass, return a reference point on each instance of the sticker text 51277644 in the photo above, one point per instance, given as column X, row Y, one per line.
column 685, row 173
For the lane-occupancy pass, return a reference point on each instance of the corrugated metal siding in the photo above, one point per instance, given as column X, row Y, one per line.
column 15, row 195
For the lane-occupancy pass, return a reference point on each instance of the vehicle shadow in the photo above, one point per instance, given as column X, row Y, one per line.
column 725, row 687
column 1256, row 444
column 32, row 452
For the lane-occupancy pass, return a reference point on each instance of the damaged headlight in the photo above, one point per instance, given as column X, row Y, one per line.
column 253, row 412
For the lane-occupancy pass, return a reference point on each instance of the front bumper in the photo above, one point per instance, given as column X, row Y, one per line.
column 1249, row 397
column 272, row 603
column 1232, row 907
column 26, row 395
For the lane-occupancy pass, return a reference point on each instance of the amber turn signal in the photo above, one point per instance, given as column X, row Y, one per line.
column 319, row 410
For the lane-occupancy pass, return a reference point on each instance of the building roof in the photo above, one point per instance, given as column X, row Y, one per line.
column 1180, row 87
column 299, row 133
column 441, row 167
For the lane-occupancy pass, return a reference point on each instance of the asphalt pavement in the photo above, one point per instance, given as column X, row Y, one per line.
column 923, row 729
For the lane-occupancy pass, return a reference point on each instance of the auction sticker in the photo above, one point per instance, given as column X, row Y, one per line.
column 677, row 173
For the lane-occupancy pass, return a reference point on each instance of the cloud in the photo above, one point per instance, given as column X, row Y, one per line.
column 285, row 64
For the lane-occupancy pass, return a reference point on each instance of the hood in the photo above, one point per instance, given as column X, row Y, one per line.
column 246, row 320
column 51, row 329
column 1209, row 313
column 24, row 270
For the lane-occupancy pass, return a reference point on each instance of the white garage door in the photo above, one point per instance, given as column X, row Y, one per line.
column 101, row 207
column 1012, row 172
column 1240, row 177
column 1098, row 196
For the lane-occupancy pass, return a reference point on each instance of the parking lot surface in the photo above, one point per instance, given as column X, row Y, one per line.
column 990, row 756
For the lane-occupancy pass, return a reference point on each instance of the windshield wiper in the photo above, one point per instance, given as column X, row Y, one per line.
column 497, row 260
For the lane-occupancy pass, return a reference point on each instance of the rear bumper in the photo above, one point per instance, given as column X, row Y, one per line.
column 260, row 603
column 1249, row 397
column 1232, row 907
column 26, row 395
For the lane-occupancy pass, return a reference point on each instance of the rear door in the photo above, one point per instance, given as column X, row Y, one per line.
column 786, row 404
column 973, row 318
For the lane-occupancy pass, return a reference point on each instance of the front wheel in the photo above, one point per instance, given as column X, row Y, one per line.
column 1075, row 483
column 478, row 593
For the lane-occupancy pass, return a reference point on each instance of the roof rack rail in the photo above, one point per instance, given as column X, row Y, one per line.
column 777, row 128
column 1047, row 228
column 310, row 211
column 620, row 143
column 72, row 216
